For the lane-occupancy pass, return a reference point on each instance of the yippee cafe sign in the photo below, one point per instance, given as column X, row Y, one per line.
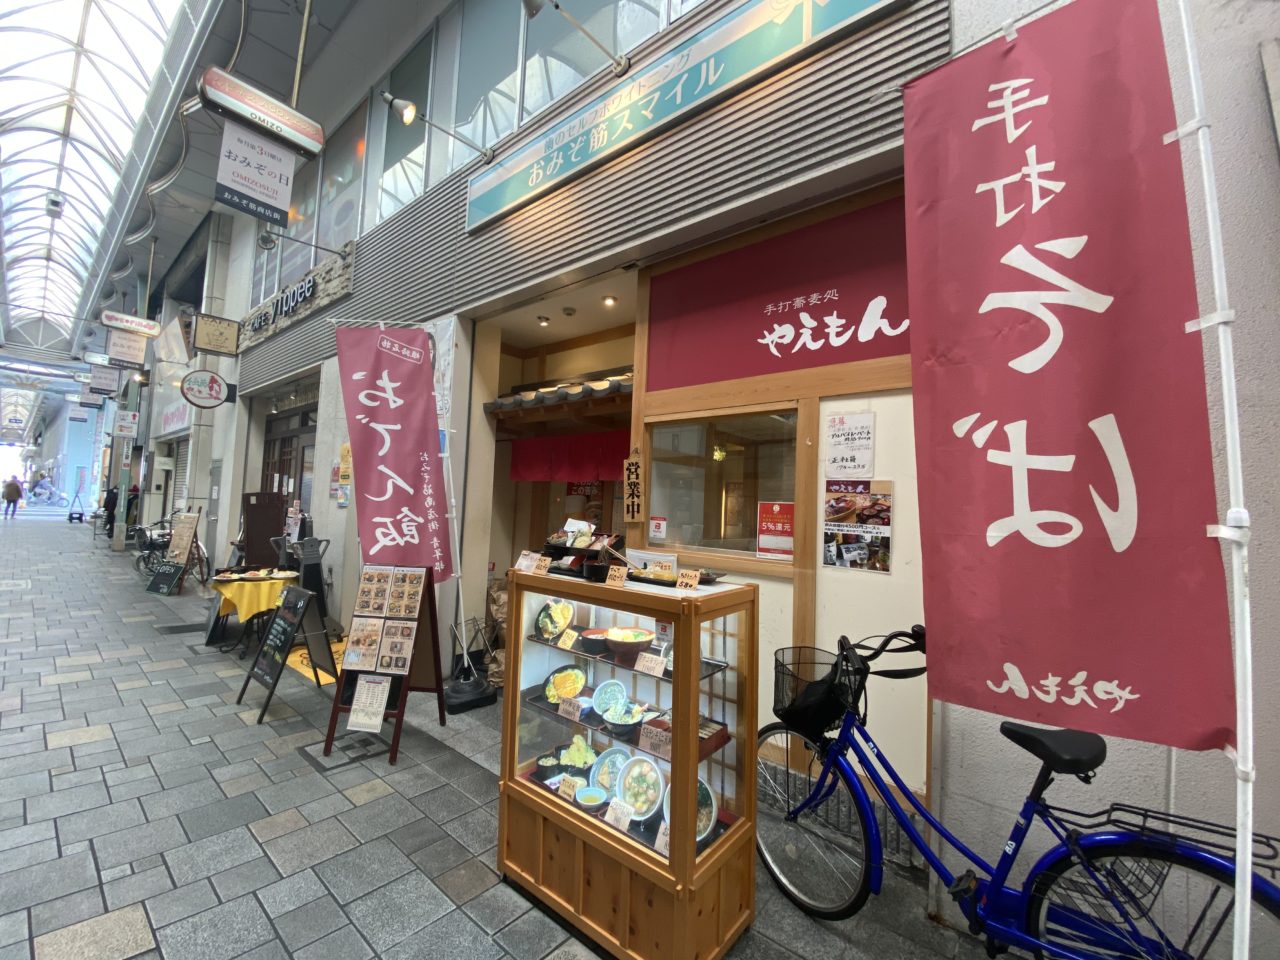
column 205, row 389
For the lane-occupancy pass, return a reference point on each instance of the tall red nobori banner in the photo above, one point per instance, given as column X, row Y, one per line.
column 400, row 499
column 1061, row 424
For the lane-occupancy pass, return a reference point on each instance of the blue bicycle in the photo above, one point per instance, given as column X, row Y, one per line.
column 1123, row 883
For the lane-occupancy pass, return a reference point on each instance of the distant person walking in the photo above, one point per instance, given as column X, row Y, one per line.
column 109, row 504
column 12, row 494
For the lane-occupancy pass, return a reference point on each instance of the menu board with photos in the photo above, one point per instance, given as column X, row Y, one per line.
column 371, row 595
column 362, row 644
column 396, row 649
column 406, row 592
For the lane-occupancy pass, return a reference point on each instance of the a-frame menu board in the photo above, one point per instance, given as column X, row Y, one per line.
column 393, row 649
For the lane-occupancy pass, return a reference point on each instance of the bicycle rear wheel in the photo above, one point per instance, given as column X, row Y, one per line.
column 1174, row 907
column 819, row 859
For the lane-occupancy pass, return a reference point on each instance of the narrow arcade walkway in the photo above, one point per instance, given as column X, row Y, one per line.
column 144, row 813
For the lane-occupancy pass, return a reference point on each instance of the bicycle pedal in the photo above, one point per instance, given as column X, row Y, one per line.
column 963, row 887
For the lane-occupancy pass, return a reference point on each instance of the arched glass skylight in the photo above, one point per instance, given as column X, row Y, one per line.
column 74, row 79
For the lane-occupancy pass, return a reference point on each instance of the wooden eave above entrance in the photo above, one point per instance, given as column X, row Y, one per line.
column 612, row 412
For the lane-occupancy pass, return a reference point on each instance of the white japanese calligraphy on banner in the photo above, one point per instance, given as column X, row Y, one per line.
column 401, row 506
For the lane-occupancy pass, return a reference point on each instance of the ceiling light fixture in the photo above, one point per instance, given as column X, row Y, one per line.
column 407, row 112
column 544, row 321
column 268, row 239
column 610, row 300
column 621, row 64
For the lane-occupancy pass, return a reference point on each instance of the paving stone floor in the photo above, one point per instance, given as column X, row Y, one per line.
column 143, row 813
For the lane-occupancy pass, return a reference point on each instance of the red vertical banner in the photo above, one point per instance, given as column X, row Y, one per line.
column 1062, row 431
column 401, row 505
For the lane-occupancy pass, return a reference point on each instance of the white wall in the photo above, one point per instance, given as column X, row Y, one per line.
column 858, row 603
column 979, row 772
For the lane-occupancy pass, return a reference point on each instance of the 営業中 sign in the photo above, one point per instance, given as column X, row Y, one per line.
column 255, row 174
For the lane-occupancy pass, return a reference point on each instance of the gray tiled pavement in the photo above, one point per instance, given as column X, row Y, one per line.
column 144, row 813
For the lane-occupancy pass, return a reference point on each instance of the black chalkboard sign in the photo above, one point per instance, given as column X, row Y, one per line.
column 277, row 640
column 167, row 578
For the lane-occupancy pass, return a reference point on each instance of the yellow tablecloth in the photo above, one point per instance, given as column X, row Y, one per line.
column 247, row 598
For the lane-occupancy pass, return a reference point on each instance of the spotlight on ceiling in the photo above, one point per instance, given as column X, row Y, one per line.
column 610, row 300
column 544, row 321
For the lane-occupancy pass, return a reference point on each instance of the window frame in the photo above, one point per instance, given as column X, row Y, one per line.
column 733, row 561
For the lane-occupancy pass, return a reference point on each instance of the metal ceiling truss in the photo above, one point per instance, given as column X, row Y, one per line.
column 82, row 115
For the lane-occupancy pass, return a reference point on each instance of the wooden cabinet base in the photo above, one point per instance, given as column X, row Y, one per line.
column 619, row 894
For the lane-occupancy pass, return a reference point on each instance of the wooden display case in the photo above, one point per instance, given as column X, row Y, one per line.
column 677, row 881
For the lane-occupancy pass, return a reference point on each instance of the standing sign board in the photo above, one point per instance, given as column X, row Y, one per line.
column 127, row 350
column 216, row 335
column 167, row 577
column 387, row 388
column 255, row 174
column 184, row 536
column 277, row 640
column 104, row 381
column 1068, row 579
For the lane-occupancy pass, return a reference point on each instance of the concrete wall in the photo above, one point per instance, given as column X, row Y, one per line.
column 975, row 769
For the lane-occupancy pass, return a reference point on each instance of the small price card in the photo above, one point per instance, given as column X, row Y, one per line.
column 660, row 565
column 572, row 708
column 663, row 843
column 656, row 740
column 687, row 580
column 567, row 638
column 617, row 576
column 568, row 787
column 543, row 565
column 651, row 664
column 528, row 560
column 619, row 814
column 666, row 632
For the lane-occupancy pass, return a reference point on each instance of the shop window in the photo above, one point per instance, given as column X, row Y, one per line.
column 404, row 149
column 265, row 263
column 343, row 181
column 708, row 476
column 558, row 57
column 295, row 258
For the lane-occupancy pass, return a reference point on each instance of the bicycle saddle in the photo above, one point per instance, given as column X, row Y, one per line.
column 1065, row 751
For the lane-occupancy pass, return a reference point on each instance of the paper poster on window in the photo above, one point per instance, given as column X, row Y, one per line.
column 850, row 446
column 775, row 530
column 857, row 528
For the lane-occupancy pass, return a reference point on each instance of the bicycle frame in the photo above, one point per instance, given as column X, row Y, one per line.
column 992, row 907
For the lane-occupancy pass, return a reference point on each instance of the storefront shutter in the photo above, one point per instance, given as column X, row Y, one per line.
column 180, row 450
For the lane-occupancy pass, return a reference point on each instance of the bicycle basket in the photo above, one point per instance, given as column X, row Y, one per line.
column 813, row 688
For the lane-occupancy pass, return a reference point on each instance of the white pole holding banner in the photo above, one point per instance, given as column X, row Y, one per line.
column 1236, row 529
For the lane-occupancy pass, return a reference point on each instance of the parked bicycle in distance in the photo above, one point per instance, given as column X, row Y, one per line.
column 152, row 544
column 1126, row 883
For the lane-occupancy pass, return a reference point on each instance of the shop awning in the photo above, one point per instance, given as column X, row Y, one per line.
column 576, row 457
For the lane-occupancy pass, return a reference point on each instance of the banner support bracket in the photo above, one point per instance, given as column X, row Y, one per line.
column 1210, row 320
column 1188, row 129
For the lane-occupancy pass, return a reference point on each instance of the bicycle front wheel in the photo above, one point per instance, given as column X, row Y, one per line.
column 1159, row 903
column 819, row 859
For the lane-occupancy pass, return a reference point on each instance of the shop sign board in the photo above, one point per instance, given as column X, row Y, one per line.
column 1067, row 576
column 827, row 293
column 84, row 377
column 328, row 282
column 88, row 399
column 231, row 97
column 126, row 423
column 401, row 504
column 745, row 45
column 96, row 359
column 255, row 175
column 126, row 350
column 205, row 389
column 122, row 321
column 217, row 335
column 775, row 530
column 633, row 489
column 104, row 381
column 174, row 417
